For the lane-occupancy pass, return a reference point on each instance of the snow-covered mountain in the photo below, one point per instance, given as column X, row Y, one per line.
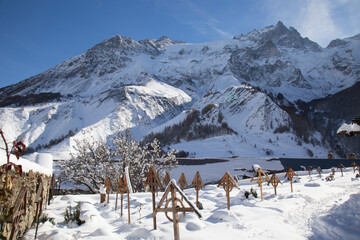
column 263, row 87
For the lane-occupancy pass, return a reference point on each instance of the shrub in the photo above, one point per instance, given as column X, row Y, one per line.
column 73, row 216
column 43, row 218
column 252, row 192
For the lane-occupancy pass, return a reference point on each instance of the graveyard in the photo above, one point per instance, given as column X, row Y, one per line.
column 305, row 205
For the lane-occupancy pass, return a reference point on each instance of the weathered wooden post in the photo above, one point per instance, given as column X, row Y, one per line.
column 290, row 174
column 177, row 206
column 198, row 184
column 319, row 170
column 309, row 169
column 108, row 187
column 228, row 183
column 353, row 165
column 39, row 202
column 259, row 177
column 153, row 181
column 274, row 180
column 340, row 166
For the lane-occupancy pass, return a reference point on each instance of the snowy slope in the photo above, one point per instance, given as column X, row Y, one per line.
column 317, row 209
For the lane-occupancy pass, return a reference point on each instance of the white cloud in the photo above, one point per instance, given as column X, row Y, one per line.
column 316, row 22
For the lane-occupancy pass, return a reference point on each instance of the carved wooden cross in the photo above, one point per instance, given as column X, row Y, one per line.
column 153, row 181
column 182, row 182
column 121, row 187
column 228, row 183
column 333, row 171
column 166, row 179
column 198, row 184
column 340, row 166
column 319, row 170
column 309, row 169
column 274, row 180
column 175, row 206
column 108, row 188
column 353, row 165
column 290, row 174
column 259, row 177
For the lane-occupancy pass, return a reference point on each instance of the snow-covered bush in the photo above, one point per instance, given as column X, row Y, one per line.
column 93, row 162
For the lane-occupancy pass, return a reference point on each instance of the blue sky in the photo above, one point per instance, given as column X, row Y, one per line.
column 36, row 35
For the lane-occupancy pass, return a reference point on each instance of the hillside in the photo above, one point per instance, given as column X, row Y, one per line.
column 277, row 93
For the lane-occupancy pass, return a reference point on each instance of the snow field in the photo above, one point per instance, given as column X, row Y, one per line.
column 317, row 209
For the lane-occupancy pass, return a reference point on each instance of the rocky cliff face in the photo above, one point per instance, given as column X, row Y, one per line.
column 121, row 83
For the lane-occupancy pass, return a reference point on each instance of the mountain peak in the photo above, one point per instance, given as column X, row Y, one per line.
column 281, row 36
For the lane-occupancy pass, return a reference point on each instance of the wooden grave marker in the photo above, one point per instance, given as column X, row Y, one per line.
column 309, row 169
column 333, row 171
column 319, row 170
column 358, row 168
column 182, row 182
column 177, row 206
column 153, row 181
column 198, row 184
column 167, row 179
column 274, row 180
column 259, row 177
column 108, row 187
column 121, row 187
column 353, row 165
column 290, row 174
column 340, row 166
column 228, row 183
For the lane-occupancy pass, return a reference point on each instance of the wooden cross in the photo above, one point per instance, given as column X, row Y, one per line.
column 333, row 171
column 108, row 187
column 259, row 177
column 309, row 169
column 177, row 206
column 290, row 174
column 274, row 180
column 198, row 184
column 166, row 179
column 228, row 183
column 121, row 187
column 153, row 181
column 353, row 165
column 319, row 170
column 182, row 181
column 340, row 166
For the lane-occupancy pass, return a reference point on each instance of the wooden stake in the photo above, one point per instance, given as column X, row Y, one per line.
column 340, row 166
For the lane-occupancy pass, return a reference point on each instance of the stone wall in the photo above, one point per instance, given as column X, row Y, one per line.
column 29, row 181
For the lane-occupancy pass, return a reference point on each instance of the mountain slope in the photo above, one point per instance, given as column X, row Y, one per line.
column 264, row 84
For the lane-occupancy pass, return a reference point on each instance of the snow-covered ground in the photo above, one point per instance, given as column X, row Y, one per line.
column 317, row 209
